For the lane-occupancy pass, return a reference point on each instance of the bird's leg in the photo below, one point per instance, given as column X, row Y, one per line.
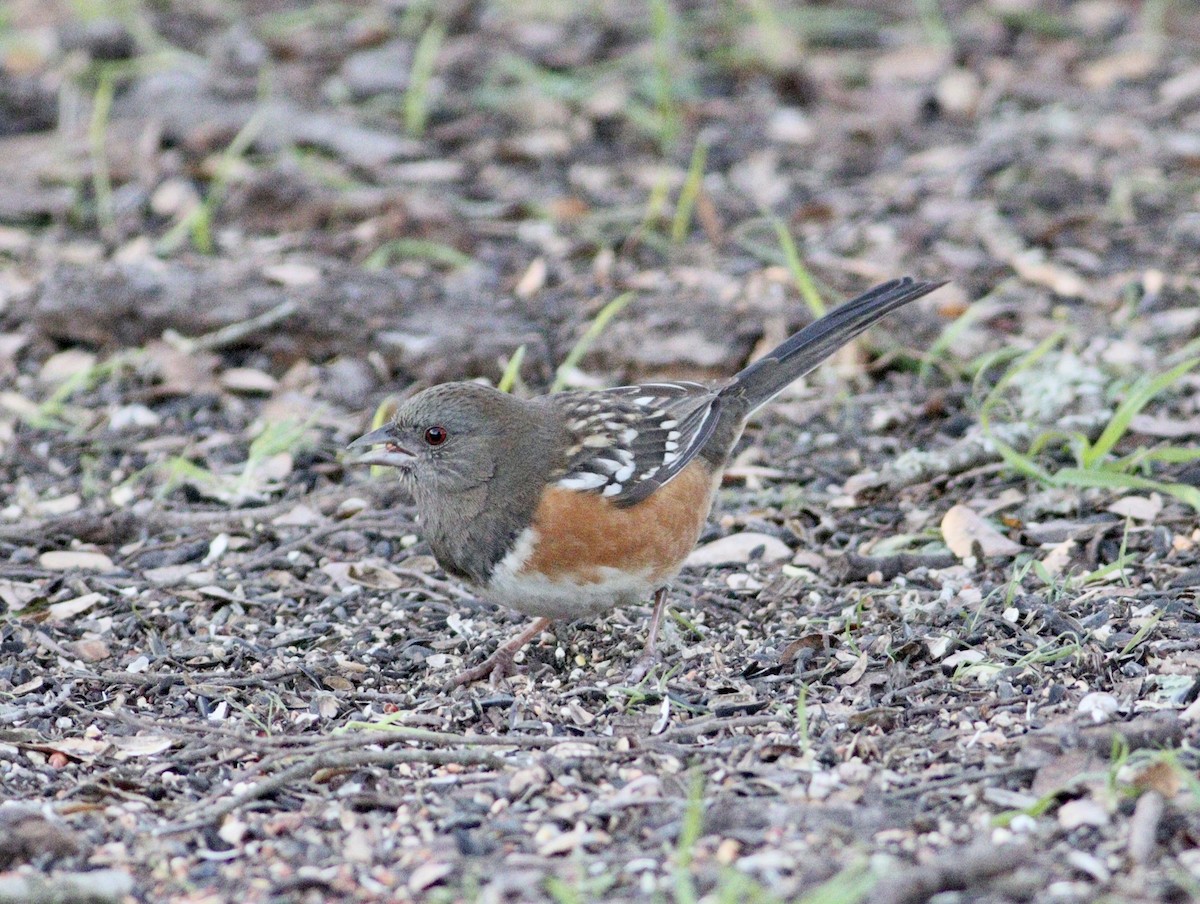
column 500, row 663
column 649, row 657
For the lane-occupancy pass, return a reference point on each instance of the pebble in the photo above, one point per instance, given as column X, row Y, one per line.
column 381, row 70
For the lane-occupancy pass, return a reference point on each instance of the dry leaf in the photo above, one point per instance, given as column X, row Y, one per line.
column 1082, row 812
column 856, row 671
column 534, row 279
column 1059, row 556
column 72, row 607
column 1032, row 267
column 139, row 745
column 962, row 529
column 738, row 549
column 1140, row 508
column 1161, row 777
column 66, row 364
column 428, row 874
column 69, row 559
column 361, row 574
column 292, row 275
column 248, row 381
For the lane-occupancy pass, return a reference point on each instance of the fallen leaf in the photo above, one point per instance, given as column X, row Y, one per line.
column 90, row 649
column 72, row 607
column 963, row 529
column 1140, row 508
column 361, row 574
column 856, row 671
column 1162, row 777
column 139, row 745
column 1032, row 267
column 300, row 516
column 69, row 559
column 292, row 275
column 66, row 364
column 739, row 549
column 1082, row 812
column 248, row 381
column 1059, row 556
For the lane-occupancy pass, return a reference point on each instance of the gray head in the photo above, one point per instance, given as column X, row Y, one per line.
column 446, row 440
column 474, row 460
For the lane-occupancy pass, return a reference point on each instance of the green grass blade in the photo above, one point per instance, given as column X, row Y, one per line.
column 800, row 275
column 663, row 27
column 512, row 370
column 949, row 336
column 1111, row 480
column 98, row 142
column 416, row 249
column 689, row 193
column 1142, row 392
column 590, row 335
column 416, row 98
column 850, row 886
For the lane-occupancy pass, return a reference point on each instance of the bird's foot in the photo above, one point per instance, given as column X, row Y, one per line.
column 495, row 668
column 500, row 664
column 650, row 658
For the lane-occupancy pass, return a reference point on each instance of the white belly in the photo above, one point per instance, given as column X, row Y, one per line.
column 545, row 597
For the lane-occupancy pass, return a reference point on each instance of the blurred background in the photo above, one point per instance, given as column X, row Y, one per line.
column 441, row 183
column 961, row 600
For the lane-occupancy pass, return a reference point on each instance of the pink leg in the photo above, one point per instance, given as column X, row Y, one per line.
column 500, row 663
column 649, row 657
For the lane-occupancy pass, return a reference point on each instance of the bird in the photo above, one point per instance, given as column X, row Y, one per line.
column 567, row 505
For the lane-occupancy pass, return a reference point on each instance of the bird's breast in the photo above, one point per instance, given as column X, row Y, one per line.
column 582, row 555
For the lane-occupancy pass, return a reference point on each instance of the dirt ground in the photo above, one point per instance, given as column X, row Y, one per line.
column 953, row 653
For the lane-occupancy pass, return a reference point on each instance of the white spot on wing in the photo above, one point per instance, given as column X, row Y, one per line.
column 583, row 481
column 612, row 489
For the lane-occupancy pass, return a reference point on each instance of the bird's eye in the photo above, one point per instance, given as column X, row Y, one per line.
column 435, row 436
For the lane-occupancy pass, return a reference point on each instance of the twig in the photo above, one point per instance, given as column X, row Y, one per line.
column 1143, row 827
column 217, row 678
column 93, row 887
column 88, row 525
column 205, row 814
column 21, row 713
column 852, row 567
column 232, row 333
column 957, row 869
column 711, row 725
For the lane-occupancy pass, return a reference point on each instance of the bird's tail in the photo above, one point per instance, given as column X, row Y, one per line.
column 765, row 378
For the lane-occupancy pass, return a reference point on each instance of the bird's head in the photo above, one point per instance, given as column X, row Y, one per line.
column 445, row 440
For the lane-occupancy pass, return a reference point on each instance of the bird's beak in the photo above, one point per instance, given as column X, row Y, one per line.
column 389, row 452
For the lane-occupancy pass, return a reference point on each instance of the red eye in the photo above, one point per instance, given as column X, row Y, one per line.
column 435, row 436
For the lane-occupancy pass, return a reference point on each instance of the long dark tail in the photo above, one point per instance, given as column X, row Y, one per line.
column 767, row 376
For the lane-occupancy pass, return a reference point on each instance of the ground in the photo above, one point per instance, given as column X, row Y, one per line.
column 953, row 653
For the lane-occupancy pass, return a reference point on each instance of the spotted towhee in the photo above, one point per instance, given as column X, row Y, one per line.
column 570, row 504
